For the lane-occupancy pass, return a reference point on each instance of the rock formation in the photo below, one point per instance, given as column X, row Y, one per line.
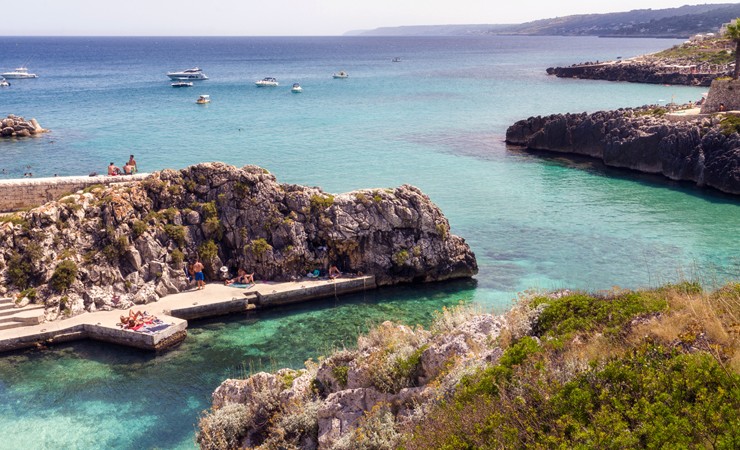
column 390, row 378
column 634, row 72
column 705, row 150
column 111, row 247
column 19, row 127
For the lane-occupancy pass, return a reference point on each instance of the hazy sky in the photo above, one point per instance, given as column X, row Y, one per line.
column 284, row 17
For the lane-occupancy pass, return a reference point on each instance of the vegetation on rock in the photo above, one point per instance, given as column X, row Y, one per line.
column 656, row 368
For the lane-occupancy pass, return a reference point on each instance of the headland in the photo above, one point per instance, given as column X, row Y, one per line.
column 125, row 245
column 695, row 63
column 683, row 145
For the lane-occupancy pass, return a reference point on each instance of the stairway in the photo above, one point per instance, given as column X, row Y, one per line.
column 12, row 317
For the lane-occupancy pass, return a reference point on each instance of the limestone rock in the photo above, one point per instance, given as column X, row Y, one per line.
column 690, row 150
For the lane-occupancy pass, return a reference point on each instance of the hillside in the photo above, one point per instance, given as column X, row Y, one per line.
column 653, row 368
column 669, row 23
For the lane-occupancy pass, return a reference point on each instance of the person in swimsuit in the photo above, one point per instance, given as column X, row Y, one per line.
column 200, row 279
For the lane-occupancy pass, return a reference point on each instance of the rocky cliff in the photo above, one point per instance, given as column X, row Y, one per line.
column 357, row 398
column 111, row 247
column 705, row 150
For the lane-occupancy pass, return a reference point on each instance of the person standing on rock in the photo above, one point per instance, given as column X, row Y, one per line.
column 200, row 279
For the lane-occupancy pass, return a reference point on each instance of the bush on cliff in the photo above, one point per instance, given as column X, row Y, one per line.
column 64, row 275
column 646, row 369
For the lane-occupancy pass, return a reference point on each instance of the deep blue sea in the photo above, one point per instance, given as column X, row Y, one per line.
column 435, row 120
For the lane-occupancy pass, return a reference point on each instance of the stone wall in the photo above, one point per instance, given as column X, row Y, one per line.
column 23, row 193
column 722, row 91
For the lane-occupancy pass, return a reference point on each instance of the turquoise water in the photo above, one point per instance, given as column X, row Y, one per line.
column 436, row 120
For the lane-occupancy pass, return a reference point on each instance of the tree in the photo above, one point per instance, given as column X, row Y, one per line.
column 733, row 33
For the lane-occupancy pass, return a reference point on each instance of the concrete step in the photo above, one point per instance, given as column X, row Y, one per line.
column 24, row 317
column 12, row 311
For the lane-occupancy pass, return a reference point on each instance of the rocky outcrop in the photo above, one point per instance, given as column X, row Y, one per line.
column 634, row 72
column 366, row 394
column 14, row 126
column 128, row 244
column 699, row 150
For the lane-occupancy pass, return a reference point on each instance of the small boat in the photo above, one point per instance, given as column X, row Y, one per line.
column 4, row 82
column 203, row 99
column 396, row 59
column 190, row 74
column 182, row 84
column 267, row 81
column 296, row 88
column 18, row 73
column 340, row 74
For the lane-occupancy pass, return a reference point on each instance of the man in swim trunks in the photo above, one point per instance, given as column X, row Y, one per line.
column 113, row 170
column 200, row 279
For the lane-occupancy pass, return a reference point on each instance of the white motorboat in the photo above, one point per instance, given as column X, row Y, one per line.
column 4, row 82
column 203, row 99
column 396, row 59
column 267, row 81
column 340, row 74
column 182, row 84
column 190, row 74
column 18, row 73
column 296, row 88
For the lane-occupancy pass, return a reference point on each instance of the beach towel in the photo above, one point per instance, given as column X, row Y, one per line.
column 241, row 285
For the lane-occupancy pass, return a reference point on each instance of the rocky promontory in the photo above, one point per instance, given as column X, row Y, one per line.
column 559, row 370
column 15, row 126
column 694, row 63
column 704, row 150
column 112, row 247
column 636, row 72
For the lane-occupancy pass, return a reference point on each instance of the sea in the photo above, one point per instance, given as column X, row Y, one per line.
column 436, row 119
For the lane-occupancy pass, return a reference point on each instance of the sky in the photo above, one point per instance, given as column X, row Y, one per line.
column 286, row 17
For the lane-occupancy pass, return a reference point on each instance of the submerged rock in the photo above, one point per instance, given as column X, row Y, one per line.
column 130, row 242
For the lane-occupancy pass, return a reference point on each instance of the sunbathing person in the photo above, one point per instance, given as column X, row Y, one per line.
column 242, row 277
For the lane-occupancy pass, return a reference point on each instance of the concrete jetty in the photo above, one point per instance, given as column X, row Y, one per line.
column 175, row 310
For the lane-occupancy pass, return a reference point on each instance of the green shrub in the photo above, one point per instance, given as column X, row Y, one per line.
column 340, row 373
column 209, row 210
column 321, row 202
column 213, row 228
column 177, row 256
column 259, row 247
column 400, row 257
column 64, row 275
column 730, row 125
column 208, row 251
column 176, row 233
column 581, row 313
column 19, row 270
column 138, row 228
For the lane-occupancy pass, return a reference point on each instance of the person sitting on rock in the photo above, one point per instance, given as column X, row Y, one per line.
column 113, row 170
column 128, row 169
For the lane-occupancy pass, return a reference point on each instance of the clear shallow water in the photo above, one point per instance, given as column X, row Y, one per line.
column 435, row 120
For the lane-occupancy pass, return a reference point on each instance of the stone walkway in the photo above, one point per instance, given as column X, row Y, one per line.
column 216, row 299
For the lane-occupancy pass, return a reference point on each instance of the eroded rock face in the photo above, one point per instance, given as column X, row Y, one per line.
column 350, row 386
column 130, row 242
column 690, row 150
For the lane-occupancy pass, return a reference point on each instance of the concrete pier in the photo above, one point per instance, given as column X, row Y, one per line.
column 175, row 310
